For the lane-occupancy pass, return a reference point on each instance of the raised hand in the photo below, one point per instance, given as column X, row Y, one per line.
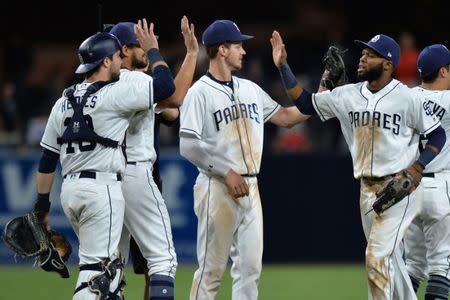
column 279, row 53
column 188, row 32
column 145, row 35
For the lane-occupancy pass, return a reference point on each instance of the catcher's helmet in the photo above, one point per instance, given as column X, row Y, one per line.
column 96, row 48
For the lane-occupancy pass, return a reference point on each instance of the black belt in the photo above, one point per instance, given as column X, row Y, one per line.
column 92, row 175
column 249, row 175
column 135, row 162
column 378, row 179
column 428, row 175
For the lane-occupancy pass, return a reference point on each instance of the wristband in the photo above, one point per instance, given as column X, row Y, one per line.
column 287, row 76
column 425, row 157
column 154, row 56
column 42, row 203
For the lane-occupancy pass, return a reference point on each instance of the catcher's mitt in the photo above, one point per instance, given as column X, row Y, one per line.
column 27, row 236
column 400, row 186
column 334, row 74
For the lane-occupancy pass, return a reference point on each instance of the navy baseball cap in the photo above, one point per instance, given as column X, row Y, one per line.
column 433, row 58
column 221, row 31
column 124, row 31
column 384, row 46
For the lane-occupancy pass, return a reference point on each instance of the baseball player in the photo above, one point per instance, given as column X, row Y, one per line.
column 169, row 117
column 146, row 217
column 86, row 130
column 380, row 120
column 427, row 241
column 221, row 132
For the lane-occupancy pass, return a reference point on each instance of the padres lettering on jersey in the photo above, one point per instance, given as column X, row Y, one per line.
column 438, row 103
column 380, row 128
column 236, row 111
column 229, row 121
column 108, row 112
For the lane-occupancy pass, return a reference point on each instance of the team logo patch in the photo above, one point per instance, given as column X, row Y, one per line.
column 76, row 127
column 375, row 38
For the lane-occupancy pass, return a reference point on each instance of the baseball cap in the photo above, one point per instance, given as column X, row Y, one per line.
column 384, row 46
column 124, row 31
column 432, row 58
column 223, row 31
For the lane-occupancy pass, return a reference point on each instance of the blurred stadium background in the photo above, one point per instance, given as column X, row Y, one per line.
column 314, row 245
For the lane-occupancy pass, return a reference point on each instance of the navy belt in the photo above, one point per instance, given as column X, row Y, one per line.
column 378, row 179
column 431, row 175
column 92, row 175
column 249, row 175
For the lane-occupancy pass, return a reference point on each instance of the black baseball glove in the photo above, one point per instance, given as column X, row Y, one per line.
column 334, row 74
column 400, row 186
column 27, row 236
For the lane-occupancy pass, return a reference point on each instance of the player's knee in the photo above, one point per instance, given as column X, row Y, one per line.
column 102, row 280
column 438, row 288
column 161, row 287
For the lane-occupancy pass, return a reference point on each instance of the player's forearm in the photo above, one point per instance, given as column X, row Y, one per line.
column 293, row 88
column 183, row 80
column 170, row 114
column 192, row 149
column 44, row 182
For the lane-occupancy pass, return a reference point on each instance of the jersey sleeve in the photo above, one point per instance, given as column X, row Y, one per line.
column 421, row 116
column 49, row 139
column 325, row 104
column 192, row 113
column 270, row 107
column 134, row 92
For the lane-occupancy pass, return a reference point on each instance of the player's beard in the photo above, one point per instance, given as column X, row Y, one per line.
column 372, row 74
column 137, row 63
column 115, row 76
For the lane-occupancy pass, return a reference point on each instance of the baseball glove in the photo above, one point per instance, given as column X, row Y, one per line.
column 334, row 74
column 27, row 236
column 400, row 186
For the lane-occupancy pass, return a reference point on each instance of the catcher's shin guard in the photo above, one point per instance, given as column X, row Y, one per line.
column 100, row 283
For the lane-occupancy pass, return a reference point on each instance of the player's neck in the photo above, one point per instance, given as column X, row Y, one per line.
column 376, row 85
column 219, row 71
column 99, row 76
column 436, row 85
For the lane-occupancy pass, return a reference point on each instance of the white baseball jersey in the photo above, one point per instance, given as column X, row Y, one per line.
column 109, row 109
column 438, row 102
column 230, row 123
column 380, row 128
column 140, row 133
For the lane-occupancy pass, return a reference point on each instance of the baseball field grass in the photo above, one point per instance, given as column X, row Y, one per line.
column 337, row 282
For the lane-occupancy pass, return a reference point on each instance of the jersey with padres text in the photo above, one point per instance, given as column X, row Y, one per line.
column 107, row 112
column 381, row 129
column 139, row 138
column 229, row 121
column 439, row 103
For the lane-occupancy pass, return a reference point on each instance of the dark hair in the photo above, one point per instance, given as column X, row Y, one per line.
column 430, row 77
column 212, row 50
column 94, row 70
